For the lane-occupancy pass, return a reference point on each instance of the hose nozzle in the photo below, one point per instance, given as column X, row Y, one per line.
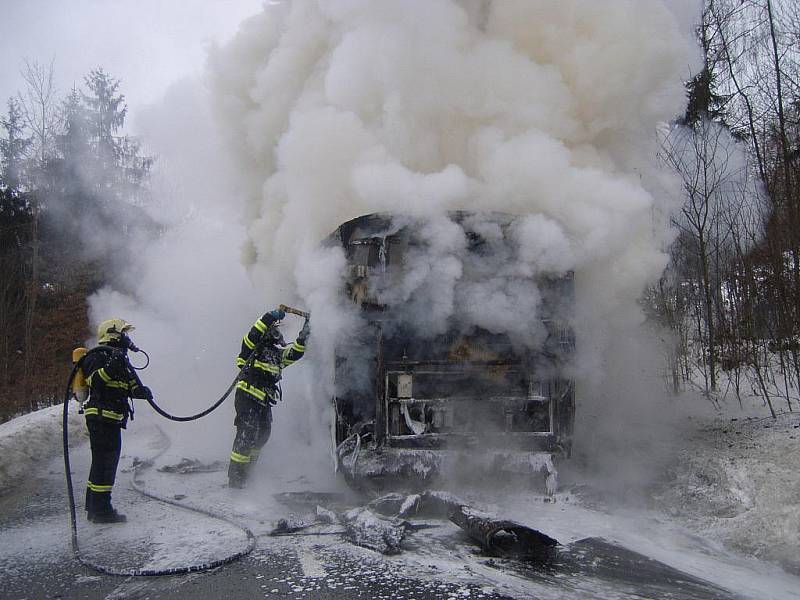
column 295, row 311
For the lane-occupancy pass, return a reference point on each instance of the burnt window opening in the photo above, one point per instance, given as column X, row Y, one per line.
column 394, row 253
column 364, row 253
column 376, row 253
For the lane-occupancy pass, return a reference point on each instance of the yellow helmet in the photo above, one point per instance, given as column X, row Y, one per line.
column 111, row 329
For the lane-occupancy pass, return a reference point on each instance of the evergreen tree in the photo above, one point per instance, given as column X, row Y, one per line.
column 117, row 170
column 105, row 112
column 74, row 139
column 703, row 101
column 13, row 147
column 70, row 201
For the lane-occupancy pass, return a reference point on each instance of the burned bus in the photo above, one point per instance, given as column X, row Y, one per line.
column 412, row 405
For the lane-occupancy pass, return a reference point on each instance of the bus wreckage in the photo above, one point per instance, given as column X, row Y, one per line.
column 412, row 408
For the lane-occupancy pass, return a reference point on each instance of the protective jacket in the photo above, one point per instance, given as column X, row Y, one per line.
column 111, row 382
column 261, row 379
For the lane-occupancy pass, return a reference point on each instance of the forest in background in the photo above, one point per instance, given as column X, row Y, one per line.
column 730, row 299
column 74, row 192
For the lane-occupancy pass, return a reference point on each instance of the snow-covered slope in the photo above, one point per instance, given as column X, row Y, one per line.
column 737, row 480
column 33, row 439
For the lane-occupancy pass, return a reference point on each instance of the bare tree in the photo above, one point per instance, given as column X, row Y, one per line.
column 705, row 158
column 755, row 42
column 39, row 101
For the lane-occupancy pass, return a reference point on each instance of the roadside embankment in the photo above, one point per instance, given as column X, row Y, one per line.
column 737, row 479
column 33, row 439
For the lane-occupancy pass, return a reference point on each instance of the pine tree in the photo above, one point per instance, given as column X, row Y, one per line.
column 119, row 171
column 13, row 147
column 105, row 112
column 74, row 140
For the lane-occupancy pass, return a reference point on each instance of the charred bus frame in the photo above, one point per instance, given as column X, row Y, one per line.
column 416, row 408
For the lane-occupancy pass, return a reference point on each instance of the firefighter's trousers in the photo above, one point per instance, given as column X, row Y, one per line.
column 105, row 440
column 253, row 426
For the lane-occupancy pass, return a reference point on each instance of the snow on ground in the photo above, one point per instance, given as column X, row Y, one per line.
column 162, row 537
column 33, row 439
column 732, row 504
column 737, row 480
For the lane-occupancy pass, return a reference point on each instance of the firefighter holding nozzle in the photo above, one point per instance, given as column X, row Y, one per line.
column 111, row 381
column 263, row 357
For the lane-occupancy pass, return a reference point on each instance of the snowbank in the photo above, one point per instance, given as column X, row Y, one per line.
column 737, row 481
column 31, row 439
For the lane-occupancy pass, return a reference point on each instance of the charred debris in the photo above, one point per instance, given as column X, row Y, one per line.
column 387, row 524
column 383, row 523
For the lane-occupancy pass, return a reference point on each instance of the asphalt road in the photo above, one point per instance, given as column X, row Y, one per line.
column 438, row 562
column 37, row 562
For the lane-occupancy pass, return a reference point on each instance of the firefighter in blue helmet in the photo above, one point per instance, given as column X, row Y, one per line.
column 258, row 389
column 111, row 381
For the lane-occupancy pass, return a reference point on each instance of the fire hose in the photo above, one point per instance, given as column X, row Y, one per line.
column 251, row 541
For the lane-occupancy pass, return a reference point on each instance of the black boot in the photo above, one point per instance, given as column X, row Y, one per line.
column 237, row 475
column 110, row 516
column 100, row 509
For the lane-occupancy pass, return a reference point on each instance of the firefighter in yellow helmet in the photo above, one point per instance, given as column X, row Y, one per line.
column 258, row 389
column 111, row 381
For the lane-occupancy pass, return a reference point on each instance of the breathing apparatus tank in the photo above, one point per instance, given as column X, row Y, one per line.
column 79, row 388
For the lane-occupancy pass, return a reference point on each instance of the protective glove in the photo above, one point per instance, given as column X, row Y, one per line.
column 142, row 392
column 272, row 401
column 304, row 333
column 277, row 314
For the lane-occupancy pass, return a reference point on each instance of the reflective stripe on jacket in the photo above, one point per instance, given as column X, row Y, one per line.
column 111, row 383
column 260, row 381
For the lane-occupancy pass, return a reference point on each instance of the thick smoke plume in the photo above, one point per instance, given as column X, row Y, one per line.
column 332, row 109
column 543, row 110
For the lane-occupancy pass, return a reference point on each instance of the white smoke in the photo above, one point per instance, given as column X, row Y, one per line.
column 540, row 109
column 331, row 109
column 337, row 109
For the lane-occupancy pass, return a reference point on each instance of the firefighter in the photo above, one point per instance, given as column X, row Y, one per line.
column 112, row 381
column 258, row 389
